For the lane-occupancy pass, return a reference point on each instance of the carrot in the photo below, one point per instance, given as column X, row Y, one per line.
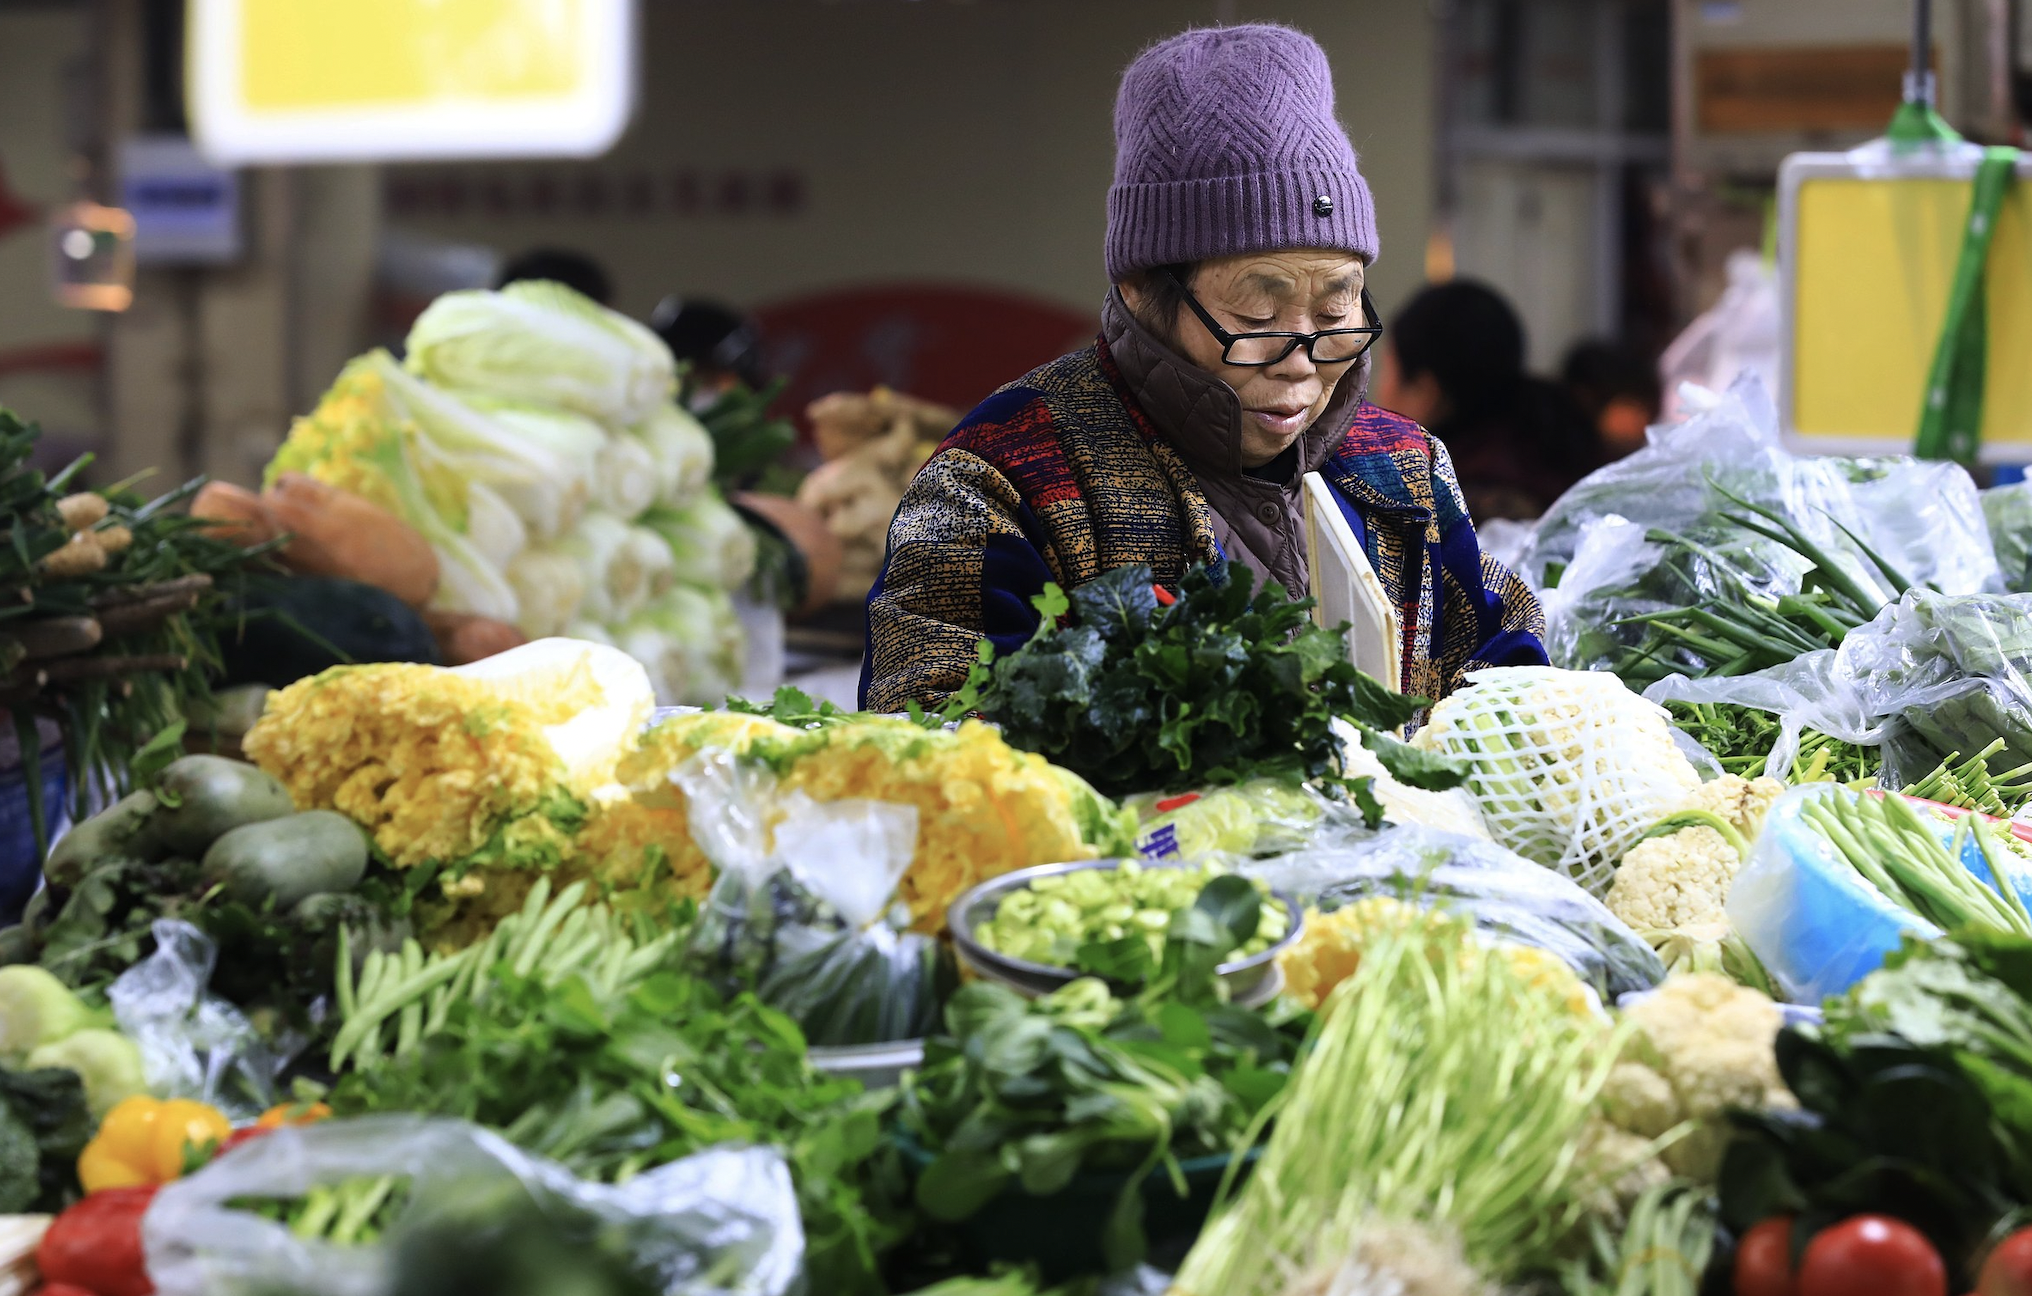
column 334, row 532
column 463, row 638
column 238, row 513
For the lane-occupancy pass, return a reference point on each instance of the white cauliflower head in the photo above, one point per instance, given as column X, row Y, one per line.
column 1674, row 881
column 1703, row 1045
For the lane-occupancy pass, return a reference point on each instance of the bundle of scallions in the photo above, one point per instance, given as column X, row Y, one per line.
column 1443, row 1091
column 1888, row 842
column 1736, row 625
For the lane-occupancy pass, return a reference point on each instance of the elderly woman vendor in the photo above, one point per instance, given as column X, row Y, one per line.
column 1232, row 360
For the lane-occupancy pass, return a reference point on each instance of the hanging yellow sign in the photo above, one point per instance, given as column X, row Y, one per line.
column 385, row 80
column 1867, row 253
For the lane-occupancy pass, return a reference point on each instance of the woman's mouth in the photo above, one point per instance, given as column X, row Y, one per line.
column 1283, row 424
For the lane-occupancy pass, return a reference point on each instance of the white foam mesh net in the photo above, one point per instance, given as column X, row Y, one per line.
column 1569, row 768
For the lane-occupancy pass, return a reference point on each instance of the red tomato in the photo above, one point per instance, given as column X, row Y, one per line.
column 62, row 1289
column 1874, row 1254
column 96, row 1244
column 2008, row 1271
column 1764, row 1260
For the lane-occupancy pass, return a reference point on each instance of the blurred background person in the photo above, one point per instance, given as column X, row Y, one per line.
column 1616, row 385
column 1453, row 359
column 574, row 270
column 719, row 346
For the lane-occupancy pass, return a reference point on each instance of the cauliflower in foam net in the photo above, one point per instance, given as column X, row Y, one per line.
column 1569, row 768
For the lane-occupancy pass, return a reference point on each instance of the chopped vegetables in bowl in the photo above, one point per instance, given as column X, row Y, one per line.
column 1038, row 928
column 1053, row 918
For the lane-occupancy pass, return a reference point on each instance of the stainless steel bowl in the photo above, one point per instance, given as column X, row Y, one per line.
column 1251, row 982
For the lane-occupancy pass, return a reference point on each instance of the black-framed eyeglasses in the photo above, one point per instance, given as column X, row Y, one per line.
column 1256, row 350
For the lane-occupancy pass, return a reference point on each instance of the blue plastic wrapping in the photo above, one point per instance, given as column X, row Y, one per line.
column 1818, row 926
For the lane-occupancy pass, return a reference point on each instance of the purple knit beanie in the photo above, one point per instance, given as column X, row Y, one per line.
column 1226, row 142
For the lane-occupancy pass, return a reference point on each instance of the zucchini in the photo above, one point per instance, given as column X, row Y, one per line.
column 285, row 861
column 205, row 797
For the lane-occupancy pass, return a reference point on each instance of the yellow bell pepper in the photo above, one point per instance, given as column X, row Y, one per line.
column 146, row 1141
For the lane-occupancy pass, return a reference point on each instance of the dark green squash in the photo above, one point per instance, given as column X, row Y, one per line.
column 286, row 628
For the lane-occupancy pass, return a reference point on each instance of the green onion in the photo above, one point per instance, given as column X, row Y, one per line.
column 1900, row 854
column 1440, row 1089
column 1663, row 1250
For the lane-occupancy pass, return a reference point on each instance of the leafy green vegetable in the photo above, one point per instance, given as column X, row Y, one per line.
column 747, row 441
column 44, row 1124
column 1938, row 995
column 1885, row 1126
column 1741, row 738
column 609, row 1075
column 1026, row 1094
column 1225, row 684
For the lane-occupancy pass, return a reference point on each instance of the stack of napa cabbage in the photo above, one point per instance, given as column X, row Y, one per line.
column 533, row 437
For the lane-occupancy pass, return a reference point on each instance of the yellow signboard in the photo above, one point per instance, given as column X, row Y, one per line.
column 1867, row 255
column 387, row 80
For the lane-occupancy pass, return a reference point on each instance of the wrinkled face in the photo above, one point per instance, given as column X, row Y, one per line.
column 1300, row 291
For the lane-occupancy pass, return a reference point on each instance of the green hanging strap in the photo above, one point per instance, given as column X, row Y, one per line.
column 1951, row 421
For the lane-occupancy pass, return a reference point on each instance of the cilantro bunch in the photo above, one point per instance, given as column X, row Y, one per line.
column 1222, row 684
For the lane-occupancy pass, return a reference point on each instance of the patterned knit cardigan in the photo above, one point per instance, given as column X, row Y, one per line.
column 1060, row 476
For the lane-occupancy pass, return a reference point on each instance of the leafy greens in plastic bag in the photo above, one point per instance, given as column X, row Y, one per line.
column 1748, row 555
column 722, row 1222
column 805, row 911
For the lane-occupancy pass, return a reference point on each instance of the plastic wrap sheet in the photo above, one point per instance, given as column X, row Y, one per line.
column 804, row 912
column 722, row 1222
column 194, row 1044
column 1505, row 894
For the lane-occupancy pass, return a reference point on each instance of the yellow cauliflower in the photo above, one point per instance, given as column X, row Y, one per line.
column 1703, row 1044
column 983, row 808
column 1329, row 949
column 497, row 758
column 432, row 764
column 1741, row 802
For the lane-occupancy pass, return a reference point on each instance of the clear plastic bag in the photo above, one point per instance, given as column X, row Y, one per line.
column 1505, row 894
column 1808, row 692
column 1260, row 817
column 722, row 1222
column 1945, row 674
column 805, row 911
column 1595, row 563
column 2007, row 510
column 194, row 1044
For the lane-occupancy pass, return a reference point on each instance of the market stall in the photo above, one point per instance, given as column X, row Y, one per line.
column 1692, row 962
column 429, row 888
